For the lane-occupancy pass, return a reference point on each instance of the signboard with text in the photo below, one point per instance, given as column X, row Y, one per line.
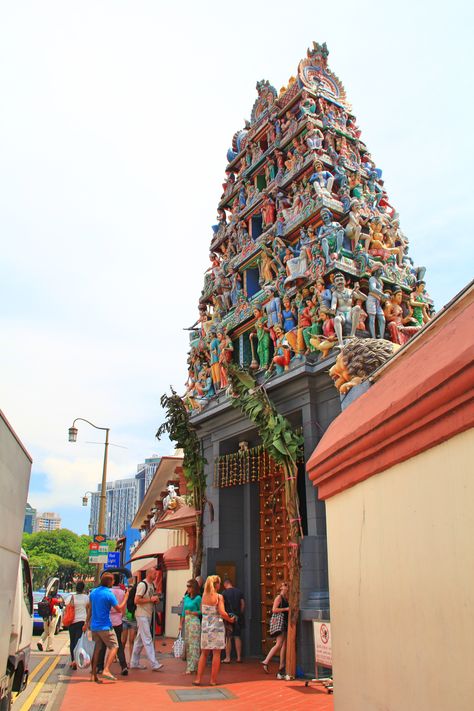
column 322, row 643
column 98, row 553
column 113, row 560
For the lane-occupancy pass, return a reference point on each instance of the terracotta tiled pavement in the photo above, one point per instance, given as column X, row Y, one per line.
column 253, row 690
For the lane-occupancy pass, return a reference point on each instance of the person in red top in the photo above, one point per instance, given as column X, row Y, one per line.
column 50, row 622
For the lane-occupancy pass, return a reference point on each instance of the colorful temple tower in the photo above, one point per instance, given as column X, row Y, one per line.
column 307, row 253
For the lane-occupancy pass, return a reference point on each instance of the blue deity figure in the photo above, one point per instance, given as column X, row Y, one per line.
column 330, row 234
column 273, row 309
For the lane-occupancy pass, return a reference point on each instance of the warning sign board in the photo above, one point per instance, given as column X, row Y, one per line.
column 322, row 643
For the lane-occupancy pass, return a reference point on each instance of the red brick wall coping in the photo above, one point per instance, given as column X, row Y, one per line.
column 422, row 398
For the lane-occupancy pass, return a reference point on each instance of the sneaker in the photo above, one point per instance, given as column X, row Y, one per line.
column 124, row 672
column 158, row 667
column 138, row 666
column 40, row 646
column 281, row 674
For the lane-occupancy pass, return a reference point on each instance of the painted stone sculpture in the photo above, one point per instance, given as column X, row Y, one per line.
column 307, row 254
column 358, row 360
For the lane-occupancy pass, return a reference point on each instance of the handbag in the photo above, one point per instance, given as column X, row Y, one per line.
column 178, row 646
column 69, row 613
column 277, row 624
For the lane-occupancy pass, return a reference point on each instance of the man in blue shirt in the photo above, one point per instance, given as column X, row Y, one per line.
column 101, row 601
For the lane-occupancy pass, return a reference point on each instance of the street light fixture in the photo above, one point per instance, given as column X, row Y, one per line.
column 103, row 493
column 85, row 498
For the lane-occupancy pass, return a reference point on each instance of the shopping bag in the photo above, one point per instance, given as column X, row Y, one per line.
column 84, row 651
column 178, row 647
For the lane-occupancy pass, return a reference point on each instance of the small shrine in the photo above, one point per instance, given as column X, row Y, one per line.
column 307, row 257
column 307, row 250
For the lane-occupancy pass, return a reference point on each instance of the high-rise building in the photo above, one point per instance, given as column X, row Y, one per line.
column 121, row 506
column 48, row 521
column 30, row 519
column 145, row 473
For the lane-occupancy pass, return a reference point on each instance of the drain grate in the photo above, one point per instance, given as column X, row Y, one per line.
column 206, row 694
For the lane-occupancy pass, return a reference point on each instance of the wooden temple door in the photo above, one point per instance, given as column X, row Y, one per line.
column 274, row 531
column 254, row 465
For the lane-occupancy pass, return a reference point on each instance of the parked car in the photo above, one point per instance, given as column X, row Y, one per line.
column 38, row 624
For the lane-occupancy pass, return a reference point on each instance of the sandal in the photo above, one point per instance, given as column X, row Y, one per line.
column 109, row 676
column 265, row 667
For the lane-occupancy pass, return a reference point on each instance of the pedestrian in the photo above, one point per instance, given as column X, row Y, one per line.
column 48, row 608
column 212, row 628
column 129, row 623
column 200, row 581
column 116, row 619
column 280, row 607
column 191, row 616
column 145, row 600
column 80, row 600
column 235, row 605
column 101, row 602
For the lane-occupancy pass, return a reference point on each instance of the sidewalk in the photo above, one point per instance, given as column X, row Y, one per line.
column 249, row 688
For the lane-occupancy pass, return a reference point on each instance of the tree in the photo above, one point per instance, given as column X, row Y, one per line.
column 60, row 553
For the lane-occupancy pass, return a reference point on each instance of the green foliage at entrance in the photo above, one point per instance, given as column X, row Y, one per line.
column 180, row 430
column 60, row 553
column 279, row 438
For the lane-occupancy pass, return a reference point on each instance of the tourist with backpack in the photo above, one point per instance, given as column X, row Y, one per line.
column 48, row 609
column 145, row 600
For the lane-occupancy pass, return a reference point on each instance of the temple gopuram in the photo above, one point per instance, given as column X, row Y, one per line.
column 307, row 253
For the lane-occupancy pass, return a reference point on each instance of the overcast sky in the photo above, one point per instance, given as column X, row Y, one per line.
column 115, row 119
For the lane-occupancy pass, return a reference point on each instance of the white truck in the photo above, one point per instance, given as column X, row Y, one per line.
column 16, row 595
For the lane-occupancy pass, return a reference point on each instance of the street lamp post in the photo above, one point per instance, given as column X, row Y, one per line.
column 103, row 492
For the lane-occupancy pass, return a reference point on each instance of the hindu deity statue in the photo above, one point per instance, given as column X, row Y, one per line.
column 325, row 342
column 321, row 180
column 399, row 326
column 355, row 223
column 419, row 304
column 262, row 334
column 346, row 315
column 374, row 301
column 330, row 235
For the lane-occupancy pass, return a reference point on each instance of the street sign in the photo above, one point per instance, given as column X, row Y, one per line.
column 322, row 643
column 113, row 560
column 100, row 538
column 98, row 553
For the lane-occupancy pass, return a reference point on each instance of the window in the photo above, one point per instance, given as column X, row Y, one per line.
column 252, row 284
column 256, row 224
column 26, row 580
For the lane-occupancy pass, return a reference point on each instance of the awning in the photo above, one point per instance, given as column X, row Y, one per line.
column 146, row 562
column 176, row 558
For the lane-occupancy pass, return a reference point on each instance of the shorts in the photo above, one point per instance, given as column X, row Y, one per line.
column 129, row 624
column 107, row 637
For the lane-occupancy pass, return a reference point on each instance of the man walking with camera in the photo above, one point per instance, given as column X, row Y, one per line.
column 145, row 600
